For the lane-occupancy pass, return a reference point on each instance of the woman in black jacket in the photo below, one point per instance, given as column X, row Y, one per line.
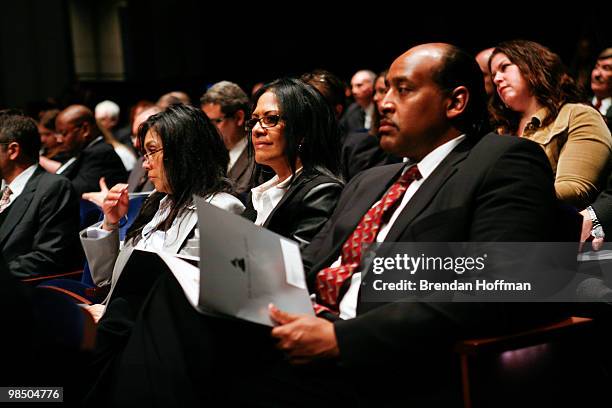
column 294, row 134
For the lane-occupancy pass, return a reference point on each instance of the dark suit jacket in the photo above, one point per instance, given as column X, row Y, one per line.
column 241, row 173
column 499, row 189
column 97, row 160
column 361, row 151
column 304, row 208
column 40, row 233
column 138, row 181
column 353, row 119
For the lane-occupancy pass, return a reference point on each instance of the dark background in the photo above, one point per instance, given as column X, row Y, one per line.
column 187, row 45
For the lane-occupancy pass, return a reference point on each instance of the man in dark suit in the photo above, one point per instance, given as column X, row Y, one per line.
column 601, row 85
column 226, row 105
column 39, row 213
column 358, row 115
column 92, row 158
column 460, row 186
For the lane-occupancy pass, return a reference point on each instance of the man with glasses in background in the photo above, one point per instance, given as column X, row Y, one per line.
column 226, row 105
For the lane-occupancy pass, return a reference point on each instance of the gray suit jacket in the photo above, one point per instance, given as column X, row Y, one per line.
column 241, row 172
column 106, row 259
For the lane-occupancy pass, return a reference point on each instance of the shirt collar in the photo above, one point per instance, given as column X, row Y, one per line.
column 429, row 163
column 19, row 182
column 273, row 182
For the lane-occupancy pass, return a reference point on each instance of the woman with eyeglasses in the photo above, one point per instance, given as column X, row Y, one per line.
column 537, row 99
column 293, row 134
column 184, row 156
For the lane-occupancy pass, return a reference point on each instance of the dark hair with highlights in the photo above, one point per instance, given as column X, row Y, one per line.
column 195, row 162
column 311, row 130
column 546, row 76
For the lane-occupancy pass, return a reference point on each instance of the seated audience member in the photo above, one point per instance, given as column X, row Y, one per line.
column 293, row 131
column 48, row 136
column 184, row 157
column 138, row 182
column 39, row 212
column 460, row 185
column 361, row 149
column 127, row 156
column 358, row 116
column 536, row 99
column 173, row 98
column 226, row 105
column 90, row 158
column 330, row 86
column 107, row 117
column 482, row 58
column 601, row 85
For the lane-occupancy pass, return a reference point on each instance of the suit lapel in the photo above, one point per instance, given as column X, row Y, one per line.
column 429, row 189
column 301, row 180
column 179, row 232
column 19, row 207
column 240, row 166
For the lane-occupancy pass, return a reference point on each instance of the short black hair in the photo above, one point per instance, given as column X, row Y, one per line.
column 459, row 68
column 16, row 127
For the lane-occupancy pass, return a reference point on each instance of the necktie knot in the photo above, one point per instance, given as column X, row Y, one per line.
column 5, row 199
column 410, row 175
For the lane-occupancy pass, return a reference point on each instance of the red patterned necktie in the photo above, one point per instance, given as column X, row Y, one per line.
column 330, row 280
column 4, row 201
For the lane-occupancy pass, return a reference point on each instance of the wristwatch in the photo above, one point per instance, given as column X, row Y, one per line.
column 597, row 230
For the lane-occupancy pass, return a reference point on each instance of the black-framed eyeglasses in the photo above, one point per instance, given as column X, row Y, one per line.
column 149, row 155
column 265, row 122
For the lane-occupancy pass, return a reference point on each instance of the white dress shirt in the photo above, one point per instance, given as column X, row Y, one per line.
column 266, row 196
column 348, row 304
column 19, row 183
column 605, row 104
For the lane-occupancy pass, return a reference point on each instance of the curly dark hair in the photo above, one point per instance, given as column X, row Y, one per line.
column 195, row 162
column 546, row 76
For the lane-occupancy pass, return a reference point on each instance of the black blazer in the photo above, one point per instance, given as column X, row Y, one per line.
column 98, row 159
column 353, row 119
column 497, row 189
column 40, row 234
column 305, row 207
column 361, row 151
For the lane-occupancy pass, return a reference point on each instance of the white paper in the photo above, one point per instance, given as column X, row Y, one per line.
column 293, row 263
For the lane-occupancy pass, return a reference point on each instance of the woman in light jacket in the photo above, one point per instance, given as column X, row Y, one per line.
column 184, row 156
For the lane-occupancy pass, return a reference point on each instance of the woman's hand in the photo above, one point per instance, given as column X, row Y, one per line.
column 115, row 206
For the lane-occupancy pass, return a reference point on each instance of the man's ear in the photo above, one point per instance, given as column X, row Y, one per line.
column 86, row 129
column 13, row 150
column 457, row 102
column 240, row 118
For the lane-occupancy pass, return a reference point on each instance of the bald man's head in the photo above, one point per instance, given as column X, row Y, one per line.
column 76, row 126
column 362, row 87
column 436, row 93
